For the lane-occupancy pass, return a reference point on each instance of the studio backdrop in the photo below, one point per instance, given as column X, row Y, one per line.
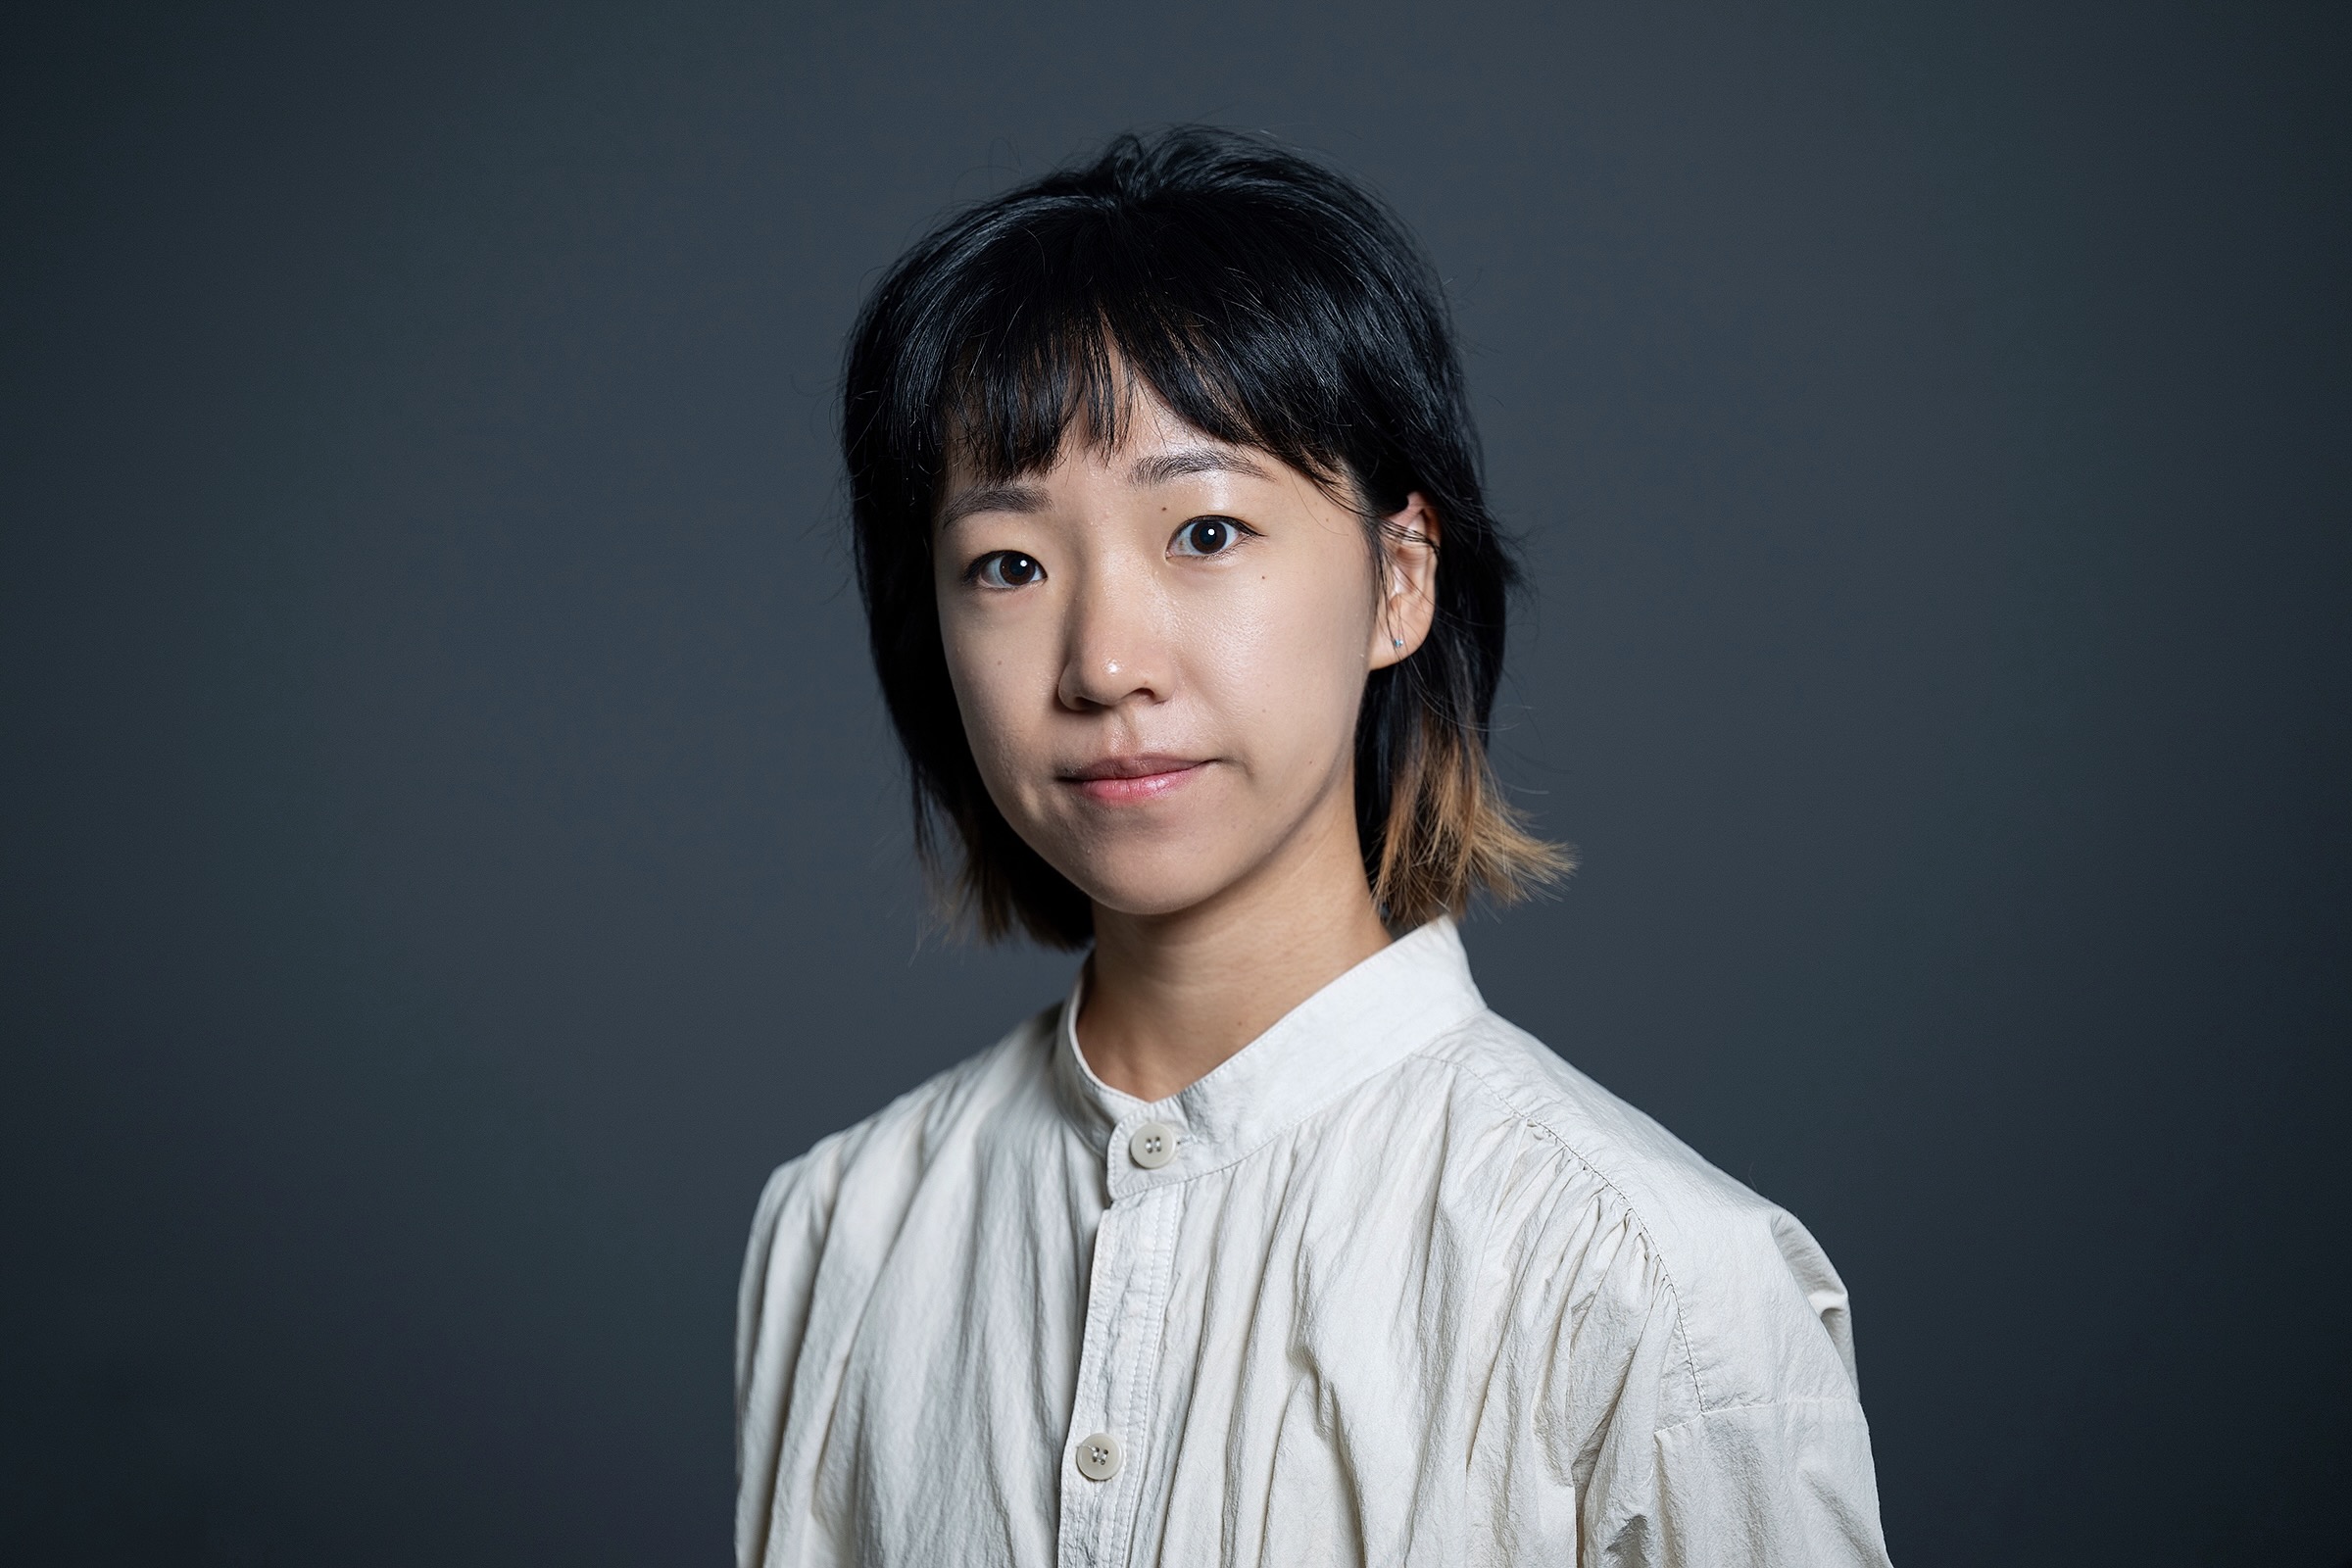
column 453, row 848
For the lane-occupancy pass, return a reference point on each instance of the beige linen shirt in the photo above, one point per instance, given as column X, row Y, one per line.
column 1392, row 1285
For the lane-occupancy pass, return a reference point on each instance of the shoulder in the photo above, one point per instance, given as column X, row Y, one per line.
column 1758, row 1313
column 893, row 1147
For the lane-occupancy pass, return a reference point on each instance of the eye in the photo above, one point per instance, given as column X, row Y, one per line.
column 1206, row 536
column 1005, row 568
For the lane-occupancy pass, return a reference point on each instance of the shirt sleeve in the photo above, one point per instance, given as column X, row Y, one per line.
column 1739, row 1438
column 1779, row 1483
column 779, row 1279
column 1688, row 1411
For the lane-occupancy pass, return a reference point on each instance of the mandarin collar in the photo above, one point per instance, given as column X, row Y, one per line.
column 1362, row 1023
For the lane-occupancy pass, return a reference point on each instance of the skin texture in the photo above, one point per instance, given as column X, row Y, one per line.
column 1159, row 650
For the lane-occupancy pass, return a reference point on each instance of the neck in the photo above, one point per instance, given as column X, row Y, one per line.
column 1170, row 996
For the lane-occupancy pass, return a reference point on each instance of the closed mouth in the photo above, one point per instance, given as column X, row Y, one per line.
column 1146, row 777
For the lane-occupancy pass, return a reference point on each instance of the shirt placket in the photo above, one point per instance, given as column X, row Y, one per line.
column 1105, row 1451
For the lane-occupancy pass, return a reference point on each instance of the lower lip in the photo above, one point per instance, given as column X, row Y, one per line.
column 1133, row 790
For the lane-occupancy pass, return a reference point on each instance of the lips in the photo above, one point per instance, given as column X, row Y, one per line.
column 1122, row 780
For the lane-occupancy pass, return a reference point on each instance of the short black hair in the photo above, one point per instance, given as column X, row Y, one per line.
column 1269, row 302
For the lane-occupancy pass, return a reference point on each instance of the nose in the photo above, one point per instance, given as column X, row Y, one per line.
column 1118, row 647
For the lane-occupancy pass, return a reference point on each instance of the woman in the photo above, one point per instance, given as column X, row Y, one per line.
column 1270, row 1245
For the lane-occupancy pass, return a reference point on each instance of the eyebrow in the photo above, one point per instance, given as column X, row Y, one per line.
column 1158, row 468
column 991, row 498
column 1168, row 465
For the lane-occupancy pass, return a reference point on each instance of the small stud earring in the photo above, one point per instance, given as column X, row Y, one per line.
column 1397, row 642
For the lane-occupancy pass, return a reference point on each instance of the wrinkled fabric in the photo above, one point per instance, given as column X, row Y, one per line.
column 1411, row 1290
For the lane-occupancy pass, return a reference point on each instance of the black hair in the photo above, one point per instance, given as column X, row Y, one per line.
column 1269, row 302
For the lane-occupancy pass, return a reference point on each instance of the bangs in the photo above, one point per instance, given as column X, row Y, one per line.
column 1008, row 407
column 1062, row 321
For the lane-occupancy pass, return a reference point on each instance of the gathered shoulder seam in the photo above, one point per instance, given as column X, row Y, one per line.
column 1682, row 1329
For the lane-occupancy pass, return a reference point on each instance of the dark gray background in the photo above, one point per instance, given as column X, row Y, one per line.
column 453, row 849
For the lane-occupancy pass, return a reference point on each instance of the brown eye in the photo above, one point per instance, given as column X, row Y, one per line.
column 1206, row 536
column 1007, row 568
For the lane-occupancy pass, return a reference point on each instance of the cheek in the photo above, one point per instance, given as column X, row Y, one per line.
column 994, row 673
column 1286, row 663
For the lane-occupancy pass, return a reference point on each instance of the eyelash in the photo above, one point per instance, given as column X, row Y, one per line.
column 977, row 572
column 1239, row 531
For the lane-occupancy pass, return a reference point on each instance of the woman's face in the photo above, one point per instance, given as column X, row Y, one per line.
column 1159, row 649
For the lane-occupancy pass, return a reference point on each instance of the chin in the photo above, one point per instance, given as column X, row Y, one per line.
column 1162, row 880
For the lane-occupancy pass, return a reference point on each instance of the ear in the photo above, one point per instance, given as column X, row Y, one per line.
column 1408, row 581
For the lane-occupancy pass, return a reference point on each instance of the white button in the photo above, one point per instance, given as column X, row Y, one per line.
column 1099, row 1457
column 1153, row 1146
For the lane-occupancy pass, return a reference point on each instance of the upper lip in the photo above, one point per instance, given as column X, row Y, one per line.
column 1141, row 765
